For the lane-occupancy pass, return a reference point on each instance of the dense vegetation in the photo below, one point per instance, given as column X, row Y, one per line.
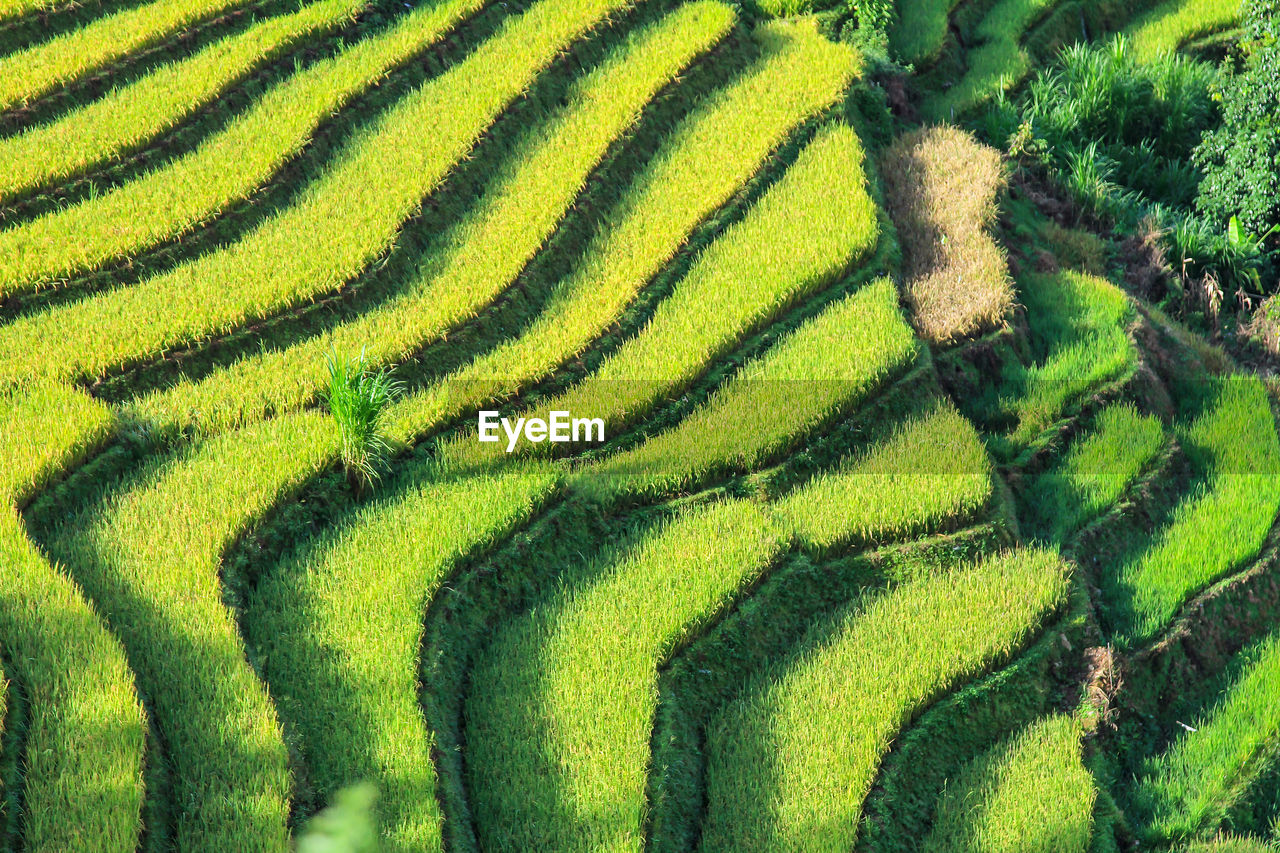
column 924, row 516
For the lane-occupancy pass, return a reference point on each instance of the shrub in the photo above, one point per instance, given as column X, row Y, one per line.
column 356, row 397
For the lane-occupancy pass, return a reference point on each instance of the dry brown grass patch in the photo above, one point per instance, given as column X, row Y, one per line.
column 941, row 187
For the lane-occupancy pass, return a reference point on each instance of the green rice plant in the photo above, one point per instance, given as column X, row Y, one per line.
column 341, row 223
column 85, row 730
column 1229, row 844
column 10, row 9
column 149, row 557
column 699, row 167
column 929, row 470
column 562, row 702
column 1218, row 527
column 1078, row 330
column 791, row 761
column 131, row 115
column 227, row 166
column 339, row 627
column 997, row 64
column 804, row 232
column 824, row 367
column 917, row 35
column 1095, row 472
column 1186, row 790
column 37, row 70
column 1173, row 23
column 1029, row 792
column 514, row 217
column 356, row 397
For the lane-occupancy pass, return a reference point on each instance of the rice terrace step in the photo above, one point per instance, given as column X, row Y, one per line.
column 640, row 425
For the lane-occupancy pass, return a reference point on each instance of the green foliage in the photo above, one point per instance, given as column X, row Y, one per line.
column 1029, row 793
column 346, row 826
column 1168, row 26
column 357, row 396
column 1241, row 159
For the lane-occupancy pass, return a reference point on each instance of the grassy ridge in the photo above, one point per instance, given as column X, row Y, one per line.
column 1095, row 472
column 1217, row 528
column 1031, row 792
column 514, row 218
column 85, row 727
column 827, row 365
column 126, row 117
column 226, row 167
column 1171, row 24
column 790, row 763
column 920, row 29
column 941, row 187
column 1188, row 789
column 803, row 233
column 703, row 162
column 339, row 630
column 150, row 559
column 28, row 74
column 341, row 223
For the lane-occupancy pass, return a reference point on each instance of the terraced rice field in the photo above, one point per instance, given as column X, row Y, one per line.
column 884, row 528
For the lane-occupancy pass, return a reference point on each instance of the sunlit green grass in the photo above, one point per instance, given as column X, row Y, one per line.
column 790, row 763
column 135, row 113
column 228, row 165
column 339, row 624
column 1028, row 793
column 1094, row 473
column 513, row 219
column 150, row 559
column 1176, row 22
column 39, row 69
column 805, row 231
column 917, row 36
column 699, row 167
column 824, row 367
column 1187, row 789
column 84, row 727
column 1219, row 526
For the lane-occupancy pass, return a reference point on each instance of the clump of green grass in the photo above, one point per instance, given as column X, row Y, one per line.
column 1030, row 792
column 1094, row 473
column 357, row 395
column 1172, row 24
column 348, row 824
column 1188, row 789
column 1217, row 528
column 790, row 762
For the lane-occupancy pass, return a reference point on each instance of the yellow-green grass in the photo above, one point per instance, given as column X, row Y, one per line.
column 997, row 64
column 131, row 115
column 1030, row 792
column 1078, row 327
column 150, row 558
column 930, row 469
column 485, row 253
column 790, row 762
column 17, row 8
column 84, row 726
column 825, row 366
column 562, row 701
column 917, row 35
column 1221, row 525
column 1174, row 23
column 1229, row 844
column 804, row 232
column 1095, row 472
column 343, row 221
column 699, row 167
column 1188, row 789
column 941, row 187
column 228, row 166
column 338, row 627
column 39, row 69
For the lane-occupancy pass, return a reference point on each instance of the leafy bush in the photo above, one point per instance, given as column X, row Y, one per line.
column 356, row 397
column 1241, row 159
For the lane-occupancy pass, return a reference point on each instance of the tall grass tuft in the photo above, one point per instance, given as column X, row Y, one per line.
column 357, row 396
